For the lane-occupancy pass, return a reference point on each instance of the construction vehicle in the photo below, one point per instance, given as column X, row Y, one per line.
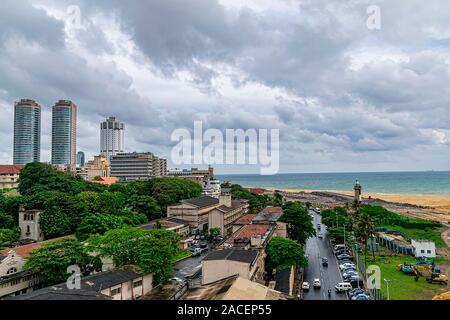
column 438, row 278
column 443, row 296
column 405, row 268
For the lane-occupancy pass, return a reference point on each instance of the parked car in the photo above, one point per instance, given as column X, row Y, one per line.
column 318, row 227
column 317, row 284
column 346, row 265
column 204, row 248
column 202, row 237
column 218, row 239
column 196, row 252
column 320, row 236
column 344, row 256
column 342, row 251
column 355, row 292
column 356, row 282
column 347, row 272
column 305, row 286
column 339, row 247
column 343, row 287
column 349, row 275
column 325, row 261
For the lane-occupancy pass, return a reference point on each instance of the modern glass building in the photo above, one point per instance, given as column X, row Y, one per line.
column 27, row 132
column 111, row 137
column 64, row 133
column 81, row 159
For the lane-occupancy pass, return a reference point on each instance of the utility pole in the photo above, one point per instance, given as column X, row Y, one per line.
column 387, row 286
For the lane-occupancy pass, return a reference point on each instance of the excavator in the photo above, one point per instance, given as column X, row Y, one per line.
column 443, row 296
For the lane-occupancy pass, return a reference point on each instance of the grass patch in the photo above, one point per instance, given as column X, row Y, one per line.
column 181, row 254
column 402, row 286
column 420, row 234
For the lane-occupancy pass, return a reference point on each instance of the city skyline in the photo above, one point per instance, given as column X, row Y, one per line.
column 358, row 100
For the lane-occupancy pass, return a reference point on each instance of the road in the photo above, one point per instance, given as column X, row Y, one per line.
column 185, row 267
column 329, row 276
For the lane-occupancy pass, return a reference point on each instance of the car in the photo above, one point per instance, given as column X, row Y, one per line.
column 341, row 251
column 343, row 287
column 218, row 239
column 339, row 247
column 346, row 265
column 305, row 286
column 355, row 292
column 196, row 252
column 318, row 227
column 344, row 256
column 349, row 275
column 320, row 236
column 349, row 271
column 317, row 284
column 325, row 261
column 204, row 248
column 202, row 237
column 362, row 297
column 356, row 282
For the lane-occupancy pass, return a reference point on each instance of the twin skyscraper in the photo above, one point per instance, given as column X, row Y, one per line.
column 27, row 133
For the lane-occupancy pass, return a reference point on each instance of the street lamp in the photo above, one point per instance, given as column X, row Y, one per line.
column 387, row 286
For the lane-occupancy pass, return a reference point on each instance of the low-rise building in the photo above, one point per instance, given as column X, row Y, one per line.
column 30, row 228
column 137, row 166
column 205, row 212
column 246, row 219
column 221, row 264
column 118, row 284
column 251, row 236
column 423, row 248
column 233, row 288
column 99, row 167
column 9, row 176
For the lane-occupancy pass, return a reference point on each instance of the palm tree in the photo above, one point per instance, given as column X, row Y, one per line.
column 365, row 230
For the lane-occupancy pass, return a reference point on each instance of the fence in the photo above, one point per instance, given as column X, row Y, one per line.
column 376, row 293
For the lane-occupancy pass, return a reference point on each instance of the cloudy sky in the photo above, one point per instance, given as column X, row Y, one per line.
column 344, row 96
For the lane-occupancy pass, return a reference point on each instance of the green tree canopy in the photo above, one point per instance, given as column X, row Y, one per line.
column 151, row 250
column 145, row 205
column 284, row 253
column 299, row 223
column 53, row 259
column 98, row 224
column 37, row 177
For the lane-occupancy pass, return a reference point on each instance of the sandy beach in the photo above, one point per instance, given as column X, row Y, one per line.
column 439, row 205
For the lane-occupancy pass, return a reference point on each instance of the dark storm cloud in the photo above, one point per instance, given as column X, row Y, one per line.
column 384, row 106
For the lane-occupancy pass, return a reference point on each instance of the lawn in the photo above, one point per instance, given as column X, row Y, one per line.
column 181, row 254
column 401, row 286
column 420, row 234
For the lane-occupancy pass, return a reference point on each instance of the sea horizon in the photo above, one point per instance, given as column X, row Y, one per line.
column 383, row 182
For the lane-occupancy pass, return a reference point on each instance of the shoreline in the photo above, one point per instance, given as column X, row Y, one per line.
column 440, row 203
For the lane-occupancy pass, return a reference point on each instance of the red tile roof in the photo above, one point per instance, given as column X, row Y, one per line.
column 257, row 191
column 24, row 251
column 245, row 219
column 107, row 180
column 273, row 210
column 10, row 169
column 248, row 231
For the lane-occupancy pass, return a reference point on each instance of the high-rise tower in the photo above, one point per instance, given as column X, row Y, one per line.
column 111, row 137
column 64, row 133
column 27, row 132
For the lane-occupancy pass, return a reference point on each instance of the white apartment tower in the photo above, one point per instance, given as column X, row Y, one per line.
column 111, row 137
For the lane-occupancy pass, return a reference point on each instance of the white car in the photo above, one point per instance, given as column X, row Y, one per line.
column 320, row 236
column 305, row 286
column 343, row 287
column 346, row 265
column 317, row 283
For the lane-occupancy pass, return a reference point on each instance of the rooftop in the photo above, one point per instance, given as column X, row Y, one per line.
column 90, row 286
column 107, row 181
column 165, row 224
column 269, row 214
column 202, row 202
column 247, row 256
column 10, row 169
column 234, row 205
column 283, row 281
column 248, row 231
column 24, row 251
column 247, row 219
column 233, row 288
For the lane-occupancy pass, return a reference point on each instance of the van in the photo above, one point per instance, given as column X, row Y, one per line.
column 343, row 287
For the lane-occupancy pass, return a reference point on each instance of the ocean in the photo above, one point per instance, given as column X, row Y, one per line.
column 427, row 183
